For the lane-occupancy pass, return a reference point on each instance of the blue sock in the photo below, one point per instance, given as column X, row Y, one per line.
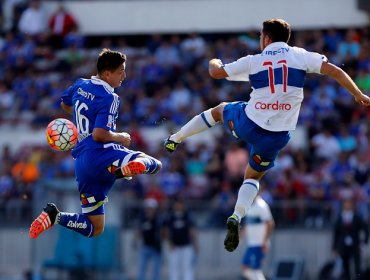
column 152, row 165
column 76, row 222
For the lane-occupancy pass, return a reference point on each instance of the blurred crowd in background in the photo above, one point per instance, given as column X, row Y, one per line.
column 168, row 83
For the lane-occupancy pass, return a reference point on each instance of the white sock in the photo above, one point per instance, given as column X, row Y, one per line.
column 196, row 125
column 246, row 195
column 254, row 274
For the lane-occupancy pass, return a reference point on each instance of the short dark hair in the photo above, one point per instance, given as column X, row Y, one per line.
column 109, row 60
column 277, row 29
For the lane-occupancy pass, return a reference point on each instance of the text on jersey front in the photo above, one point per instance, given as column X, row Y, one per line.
column 82, row 122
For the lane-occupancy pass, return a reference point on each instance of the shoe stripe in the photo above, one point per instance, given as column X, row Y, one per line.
column 49, row 221
column 41, row 218
column 45, row 225
column 40, row 224
column 125, row 170
column 44, row 220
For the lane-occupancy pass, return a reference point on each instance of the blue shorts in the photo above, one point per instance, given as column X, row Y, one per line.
column 264, row 144
column 253, row 257
column 95, row 174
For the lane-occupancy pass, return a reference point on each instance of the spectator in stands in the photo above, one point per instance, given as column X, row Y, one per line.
column 325, row 145
column 74, row 38
column 25, row 171
column 180, row 231
column 347, row 241
column 7, row 99
column 223, row 202
column 332, row 39
column 361, row 167
column 33, row 20
column 172, row 180
column 193, row 48
column 346, row 141
column 236, row 158
column 363, row 80
column 61, row 23
column 168, row 55
column 6, row 185
column 150, row 233
column 195, row 169
column 180, row 97
column 349, row 49
column 11, row 11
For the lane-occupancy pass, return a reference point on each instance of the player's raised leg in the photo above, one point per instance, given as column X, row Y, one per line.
column 197, row 124
column 142, row 164
column 247, row 193
column 88, row 226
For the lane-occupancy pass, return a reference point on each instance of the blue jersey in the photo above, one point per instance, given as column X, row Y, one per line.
column 94, row 105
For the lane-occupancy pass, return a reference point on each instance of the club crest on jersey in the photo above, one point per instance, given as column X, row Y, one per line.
column 87, row 199
column 257, row 159
column 113, row 167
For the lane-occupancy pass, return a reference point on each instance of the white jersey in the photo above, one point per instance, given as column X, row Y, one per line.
column 255, row 222
column 277, row 77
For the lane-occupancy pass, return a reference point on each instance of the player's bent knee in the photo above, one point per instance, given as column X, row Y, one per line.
column 217, row 111
column 98, row 230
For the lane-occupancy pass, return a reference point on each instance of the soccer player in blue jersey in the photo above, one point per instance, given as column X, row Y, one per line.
column 101, row 154
column 265, row 121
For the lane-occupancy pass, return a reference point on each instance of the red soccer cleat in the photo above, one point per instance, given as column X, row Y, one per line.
column 131, row 169
column 44, row 221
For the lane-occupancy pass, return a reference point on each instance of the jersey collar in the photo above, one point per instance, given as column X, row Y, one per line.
column 276, row 45
column 95, row 80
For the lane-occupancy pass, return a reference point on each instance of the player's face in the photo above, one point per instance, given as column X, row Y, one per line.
column 117, row 76
column 264, row 40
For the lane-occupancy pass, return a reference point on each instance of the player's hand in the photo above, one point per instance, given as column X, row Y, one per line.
column 125, row 139
column 215, row 63
column 363, row 99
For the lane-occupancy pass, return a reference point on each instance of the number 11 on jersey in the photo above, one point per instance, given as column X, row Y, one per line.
column 271, row 74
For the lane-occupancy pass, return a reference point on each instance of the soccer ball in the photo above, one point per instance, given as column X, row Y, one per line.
column 61, row 134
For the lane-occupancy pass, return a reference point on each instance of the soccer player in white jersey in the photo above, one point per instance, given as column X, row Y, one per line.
column 265, row 121
column 257, row 230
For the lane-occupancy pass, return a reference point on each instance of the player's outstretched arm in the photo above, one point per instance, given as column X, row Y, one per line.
column 105, row 136
column 216, row 70
column 66, row 108
column 345, row 81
